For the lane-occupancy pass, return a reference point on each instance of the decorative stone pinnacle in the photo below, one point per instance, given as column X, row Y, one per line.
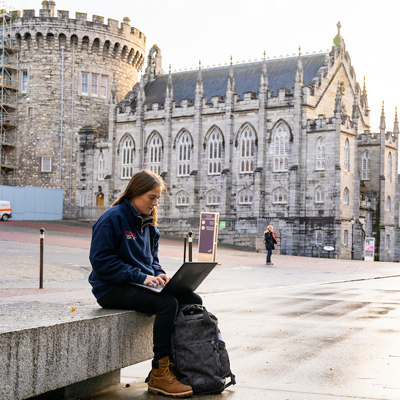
column 383, row 123
column 339, row 25
column 264, row 55
column 231, row 60
column 199, row 64
column 299, row 51
column 396, row 123
column 169, row 68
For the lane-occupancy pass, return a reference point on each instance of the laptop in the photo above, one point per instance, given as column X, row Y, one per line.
column 187, row 279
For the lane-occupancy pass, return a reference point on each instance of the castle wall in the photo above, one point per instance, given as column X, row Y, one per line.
column 94, row 51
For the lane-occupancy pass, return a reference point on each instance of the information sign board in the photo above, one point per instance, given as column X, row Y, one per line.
column 369, row 249
column 208, row 236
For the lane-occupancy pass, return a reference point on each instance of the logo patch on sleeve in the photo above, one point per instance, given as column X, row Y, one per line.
column 130, row 235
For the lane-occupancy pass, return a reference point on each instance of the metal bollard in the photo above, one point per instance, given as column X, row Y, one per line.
column 190, row 240
column 184, row 249
column 41, row 258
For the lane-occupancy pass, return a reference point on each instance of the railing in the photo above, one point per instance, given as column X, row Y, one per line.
column 7, row 82
column 6, row 138
column 6, row 179
column 7, row 160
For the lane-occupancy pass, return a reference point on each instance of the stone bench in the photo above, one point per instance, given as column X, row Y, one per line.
column 48, row 347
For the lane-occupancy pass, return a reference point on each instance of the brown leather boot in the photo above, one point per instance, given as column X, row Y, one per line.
column 163, row 381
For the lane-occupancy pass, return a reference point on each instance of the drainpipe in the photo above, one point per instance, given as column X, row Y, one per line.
column 72, row 130
column 61, row 115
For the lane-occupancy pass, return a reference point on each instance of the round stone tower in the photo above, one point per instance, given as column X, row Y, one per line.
column 67, row 69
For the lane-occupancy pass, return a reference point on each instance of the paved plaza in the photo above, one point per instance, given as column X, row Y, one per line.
column 302, row 329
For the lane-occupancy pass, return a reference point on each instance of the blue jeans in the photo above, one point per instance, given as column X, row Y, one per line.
column 269, row 252
column 163, row 305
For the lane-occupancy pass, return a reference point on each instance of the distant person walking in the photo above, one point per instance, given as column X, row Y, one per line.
column 270, row 241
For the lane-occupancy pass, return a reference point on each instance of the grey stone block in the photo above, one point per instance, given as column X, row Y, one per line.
column 43, row 358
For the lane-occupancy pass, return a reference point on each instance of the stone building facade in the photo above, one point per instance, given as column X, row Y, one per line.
column 67, row 68
column 285, row 142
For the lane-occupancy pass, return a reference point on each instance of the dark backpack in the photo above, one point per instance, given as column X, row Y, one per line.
column 198, row 352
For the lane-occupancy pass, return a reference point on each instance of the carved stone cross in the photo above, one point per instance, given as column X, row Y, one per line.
column 338, row 27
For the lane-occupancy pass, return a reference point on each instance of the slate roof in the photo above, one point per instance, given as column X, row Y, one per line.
column 281, row 74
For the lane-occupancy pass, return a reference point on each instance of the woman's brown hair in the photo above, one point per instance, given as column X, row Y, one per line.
column 141, row 182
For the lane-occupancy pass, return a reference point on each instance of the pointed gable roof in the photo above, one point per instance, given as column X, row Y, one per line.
column 281, row 74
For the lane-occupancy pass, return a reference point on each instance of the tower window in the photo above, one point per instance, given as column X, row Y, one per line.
column 46, row 164
column 85, row 84
column 24, row 84
column 95, row 85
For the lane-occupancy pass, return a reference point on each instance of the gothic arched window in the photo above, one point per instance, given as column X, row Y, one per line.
column 319, row 195
column 388, row 204
column 213, row 198
column 279, row 196
column 127, row 153
column 346, row 165
column 281, row 148
column 247, row 150
column 389, row 167
column 155, row 153
column 101, row 166
column 182, row 198
column 184, row 154
column 320, row 153
column 214, row 148
column 365, row 166
column 245, row 196
column 346, row 196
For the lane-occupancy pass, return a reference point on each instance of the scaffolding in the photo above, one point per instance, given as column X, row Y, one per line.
column 8, row 101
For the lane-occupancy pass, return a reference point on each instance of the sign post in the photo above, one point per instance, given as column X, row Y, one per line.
column 208, row 236
column 369, row 249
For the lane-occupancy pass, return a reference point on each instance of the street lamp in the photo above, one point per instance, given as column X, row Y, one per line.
column 353, row 220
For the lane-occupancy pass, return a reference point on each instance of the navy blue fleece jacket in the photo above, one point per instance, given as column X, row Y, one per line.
column 121, row 251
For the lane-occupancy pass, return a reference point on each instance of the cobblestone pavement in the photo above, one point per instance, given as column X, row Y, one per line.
column 66, row 261
column 302, row 329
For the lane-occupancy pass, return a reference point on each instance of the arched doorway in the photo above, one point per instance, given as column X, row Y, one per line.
column 100, row 204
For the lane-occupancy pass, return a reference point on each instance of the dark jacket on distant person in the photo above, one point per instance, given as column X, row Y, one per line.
column 269, row 241
column 124, row 249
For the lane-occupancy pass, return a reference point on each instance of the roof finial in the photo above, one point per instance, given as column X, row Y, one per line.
column 170, row 68
column 231, row 60
column 299, row 78
column 383, row 122
column 264, row 55
column 339, row 25
column 396, row 123
column 199, row 64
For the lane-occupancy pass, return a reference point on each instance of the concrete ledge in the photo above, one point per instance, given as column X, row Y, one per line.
column 78, row 347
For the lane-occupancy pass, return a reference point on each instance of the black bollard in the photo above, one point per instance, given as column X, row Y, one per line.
column 184, row 249
column 41, row 258
column 190, row 240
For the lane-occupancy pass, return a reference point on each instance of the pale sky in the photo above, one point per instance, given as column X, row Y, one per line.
column 212, row 30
